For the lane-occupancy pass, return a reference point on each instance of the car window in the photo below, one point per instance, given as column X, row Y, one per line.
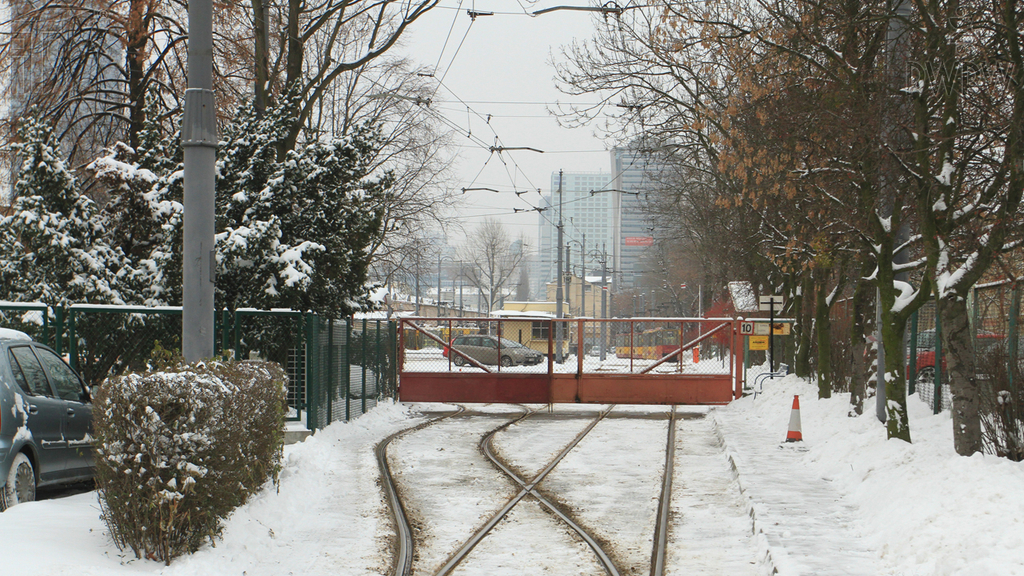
column 68, row 386
column 32, row 371
column 489, row 343
column 19, row 376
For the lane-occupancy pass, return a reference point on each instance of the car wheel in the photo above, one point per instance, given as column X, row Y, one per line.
column 926, row 376
column 506, row 361
column 460, row 361
column 21, row 483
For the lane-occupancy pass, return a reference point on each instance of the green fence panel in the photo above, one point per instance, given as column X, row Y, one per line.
column 337, row 368
column 32, row 318
column 106, row 341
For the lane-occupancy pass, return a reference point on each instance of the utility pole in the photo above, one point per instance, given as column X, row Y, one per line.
column 604, row 299
column 417, row 286
column 558, row 286
column 897, row 48
column 568, row 278
column 583, row 285
column 439, row 285
column 199, row 139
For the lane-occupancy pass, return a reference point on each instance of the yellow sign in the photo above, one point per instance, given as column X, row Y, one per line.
column 758, row 342
column 778, row 328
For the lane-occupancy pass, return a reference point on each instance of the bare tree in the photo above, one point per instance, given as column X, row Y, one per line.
column 493, row 259
column 87, row 67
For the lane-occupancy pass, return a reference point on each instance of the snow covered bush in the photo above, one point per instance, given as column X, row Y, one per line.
column 178, row 449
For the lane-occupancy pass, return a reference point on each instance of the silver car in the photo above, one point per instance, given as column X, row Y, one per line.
column 45, row 420
column 486, row 350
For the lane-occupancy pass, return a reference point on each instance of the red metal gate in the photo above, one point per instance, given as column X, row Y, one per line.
column 634, row 361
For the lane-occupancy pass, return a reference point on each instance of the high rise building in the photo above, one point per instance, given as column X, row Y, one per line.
column 585, row 211
column 634, row 178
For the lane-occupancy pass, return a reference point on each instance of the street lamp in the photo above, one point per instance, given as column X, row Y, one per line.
column 604, row 294
column 558, row 269
column 439, row 259
column 583, row 262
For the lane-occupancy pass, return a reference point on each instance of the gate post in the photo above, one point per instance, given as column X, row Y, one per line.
column 738, row 342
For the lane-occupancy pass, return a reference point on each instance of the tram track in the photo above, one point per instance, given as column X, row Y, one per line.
column 404, row 554
column 664, row 502
column 561, row 511
column 528, row 488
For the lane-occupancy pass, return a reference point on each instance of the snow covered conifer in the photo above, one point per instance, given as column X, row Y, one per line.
column 294, row 234
column 52, row 248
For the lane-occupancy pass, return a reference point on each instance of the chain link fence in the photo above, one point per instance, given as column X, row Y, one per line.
column 995, row 321
column 337, row 369
column 542, row 345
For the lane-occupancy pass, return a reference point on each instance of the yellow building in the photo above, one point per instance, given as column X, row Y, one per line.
column 528, row 327
column 582, row 298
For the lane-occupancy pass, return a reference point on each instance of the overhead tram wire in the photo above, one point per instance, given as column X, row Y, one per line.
column 445, row 45
column 468, row 131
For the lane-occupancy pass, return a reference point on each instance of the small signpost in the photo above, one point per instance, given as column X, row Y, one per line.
column 769, row 304
column 759, row 342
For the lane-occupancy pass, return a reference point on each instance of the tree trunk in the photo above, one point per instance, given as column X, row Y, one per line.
column 897, row 423
column 293, row 72
column 262, row 57
column 802, row 362
column 135, row 62
column 961, row 368
column 823, row 328
column 859, row 371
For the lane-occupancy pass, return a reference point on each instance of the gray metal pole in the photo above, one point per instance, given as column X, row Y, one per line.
column 417, row 286
column 558, row 270
column 604, row 300
column 583, row 275
column 897, row 49
column 199, row 139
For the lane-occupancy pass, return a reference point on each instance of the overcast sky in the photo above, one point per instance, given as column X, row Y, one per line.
column 503, row 70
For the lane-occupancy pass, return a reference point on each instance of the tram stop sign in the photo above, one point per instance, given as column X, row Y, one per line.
column 758, row 342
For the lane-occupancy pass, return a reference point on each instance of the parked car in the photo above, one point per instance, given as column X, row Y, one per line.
column 985, row 342
column 485, row 350
column 45, row 420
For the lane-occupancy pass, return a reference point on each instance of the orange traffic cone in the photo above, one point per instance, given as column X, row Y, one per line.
column 794, row 434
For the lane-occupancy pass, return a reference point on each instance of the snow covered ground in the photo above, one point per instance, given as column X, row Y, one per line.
column 844, row 501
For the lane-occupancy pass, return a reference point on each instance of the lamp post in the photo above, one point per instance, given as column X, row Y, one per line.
column 602, row 257
column 462, row 278
column 583, row 276
column 199, row 140
column 558, row 287
column 439, row 259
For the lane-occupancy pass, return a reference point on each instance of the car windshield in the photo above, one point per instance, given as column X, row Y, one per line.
column 506, row 343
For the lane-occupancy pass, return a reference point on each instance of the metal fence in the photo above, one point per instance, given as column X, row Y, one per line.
column 995, row 321
column 543, row 345
column 337, row 368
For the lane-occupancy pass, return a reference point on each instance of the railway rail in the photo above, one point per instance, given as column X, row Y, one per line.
column 528, row 488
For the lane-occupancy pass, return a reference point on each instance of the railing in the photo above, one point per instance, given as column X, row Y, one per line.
column 337, row 368
column 542, row 345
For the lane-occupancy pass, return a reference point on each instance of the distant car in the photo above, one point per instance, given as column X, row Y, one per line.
column 984, row 341
column 45, row 420
column 485, row 350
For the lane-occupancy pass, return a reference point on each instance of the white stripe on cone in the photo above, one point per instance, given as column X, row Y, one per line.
column 794, row 434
